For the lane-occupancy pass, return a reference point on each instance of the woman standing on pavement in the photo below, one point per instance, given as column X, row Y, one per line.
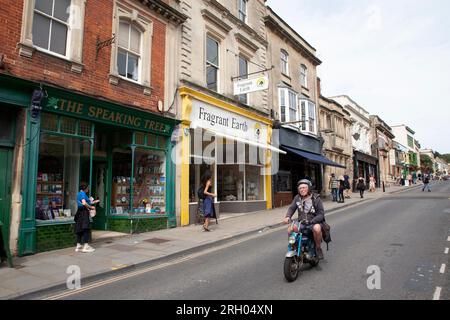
column 82, row 220
column 341, row 189
column 208, row 200
column 361, row 186
column 372, row 184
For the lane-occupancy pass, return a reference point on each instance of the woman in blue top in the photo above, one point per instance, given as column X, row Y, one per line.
column 82, row 220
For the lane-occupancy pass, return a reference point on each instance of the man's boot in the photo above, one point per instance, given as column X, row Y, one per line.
column 319, row 253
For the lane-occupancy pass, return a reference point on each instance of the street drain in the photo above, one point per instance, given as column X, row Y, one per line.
column 157, row 240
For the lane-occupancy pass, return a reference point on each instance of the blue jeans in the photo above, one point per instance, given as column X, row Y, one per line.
column 426, row 186
column 334, row 192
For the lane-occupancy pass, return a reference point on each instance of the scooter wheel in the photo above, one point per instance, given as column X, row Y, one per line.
column 314, row 262
column 291, row 269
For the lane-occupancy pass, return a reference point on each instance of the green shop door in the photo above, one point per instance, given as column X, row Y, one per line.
column 100, row 191
column 6, row 155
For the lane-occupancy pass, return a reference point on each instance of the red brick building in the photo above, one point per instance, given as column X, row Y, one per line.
column 82, row 94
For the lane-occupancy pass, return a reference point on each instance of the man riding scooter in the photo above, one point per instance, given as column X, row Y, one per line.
column 310, row 208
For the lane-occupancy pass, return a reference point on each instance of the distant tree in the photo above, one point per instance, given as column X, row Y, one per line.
column 445, row 157
column 426, row 164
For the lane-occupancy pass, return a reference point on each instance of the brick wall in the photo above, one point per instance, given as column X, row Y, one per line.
column 94, row 79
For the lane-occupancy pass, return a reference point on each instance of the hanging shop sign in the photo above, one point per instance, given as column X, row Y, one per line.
column 251, row 85
column 207, row 116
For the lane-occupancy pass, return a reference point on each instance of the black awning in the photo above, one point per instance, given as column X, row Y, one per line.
column 312, row 157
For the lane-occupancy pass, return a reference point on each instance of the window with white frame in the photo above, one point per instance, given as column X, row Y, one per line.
column 55, row 27
column 304, row 76
column 308, row 116
column 283, row 105
column 212, row 64
column 131, row 54
column 284, row 62
column 288, row 105
column 242, row 10
column 129, row 51
column 51, row 25
column 243, row 74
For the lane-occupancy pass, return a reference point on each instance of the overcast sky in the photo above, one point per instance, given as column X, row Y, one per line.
column 391, row 56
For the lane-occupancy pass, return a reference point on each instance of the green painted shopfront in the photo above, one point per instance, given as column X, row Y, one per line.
column 122, row 153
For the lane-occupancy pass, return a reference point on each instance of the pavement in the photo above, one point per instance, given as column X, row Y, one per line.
column 115, row 254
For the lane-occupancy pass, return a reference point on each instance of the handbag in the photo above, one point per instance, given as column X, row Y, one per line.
column 92, row 212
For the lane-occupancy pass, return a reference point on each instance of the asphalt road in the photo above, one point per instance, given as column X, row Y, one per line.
column 405, row 235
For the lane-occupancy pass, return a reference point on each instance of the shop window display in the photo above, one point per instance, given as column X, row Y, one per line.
column 149, row 194
column 121, row 187
column 230, row 182
column 202, row 160
column 63, row 164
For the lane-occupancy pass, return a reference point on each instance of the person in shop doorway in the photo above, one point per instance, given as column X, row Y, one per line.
column 82, row 220
column 361, row 186
column 208, row 200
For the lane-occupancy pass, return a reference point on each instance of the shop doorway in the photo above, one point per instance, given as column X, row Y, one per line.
column 99, row 191
column 6, row 155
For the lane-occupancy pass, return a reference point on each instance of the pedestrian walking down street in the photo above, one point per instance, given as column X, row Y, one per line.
column 334, row 186
column 82, row 220
column 348, row 187
column 409, row 178
column 372, row 184
column 208, row 200
column 361, row 186
column 341, row 189
column 426, row 183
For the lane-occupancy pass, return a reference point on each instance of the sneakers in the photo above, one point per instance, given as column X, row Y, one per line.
column 319, row 253
column 87, row 249
column 79, row 247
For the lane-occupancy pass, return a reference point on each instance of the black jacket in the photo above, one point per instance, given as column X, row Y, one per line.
column 315, row 216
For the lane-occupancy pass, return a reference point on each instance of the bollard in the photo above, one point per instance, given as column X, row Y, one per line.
column 384, row 189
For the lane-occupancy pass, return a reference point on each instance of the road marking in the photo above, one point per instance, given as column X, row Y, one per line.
column 173, row 262
column 437, row 293
column 442, row 268
column 446, row 251
column 448, row 239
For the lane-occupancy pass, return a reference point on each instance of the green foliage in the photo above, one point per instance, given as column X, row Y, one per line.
column 445, row 157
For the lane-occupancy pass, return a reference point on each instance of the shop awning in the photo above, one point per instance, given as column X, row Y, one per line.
column 313, row 157
column 257, row 144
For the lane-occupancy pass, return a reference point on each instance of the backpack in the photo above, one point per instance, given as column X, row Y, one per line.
column 326, row 233
column 201, row 193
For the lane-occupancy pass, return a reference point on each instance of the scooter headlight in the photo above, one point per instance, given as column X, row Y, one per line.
column 291, row 240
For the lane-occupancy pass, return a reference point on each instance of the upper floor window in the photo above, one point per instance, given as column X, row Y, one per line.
column 243, row 74
column 51, row 25
column 129, row 51
column 410, row 142
column 304, row 76
column 212, row 64
column 308, row 116
column 242, row 8
column 329, row 124
column 288, row 105
column 284, row 62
